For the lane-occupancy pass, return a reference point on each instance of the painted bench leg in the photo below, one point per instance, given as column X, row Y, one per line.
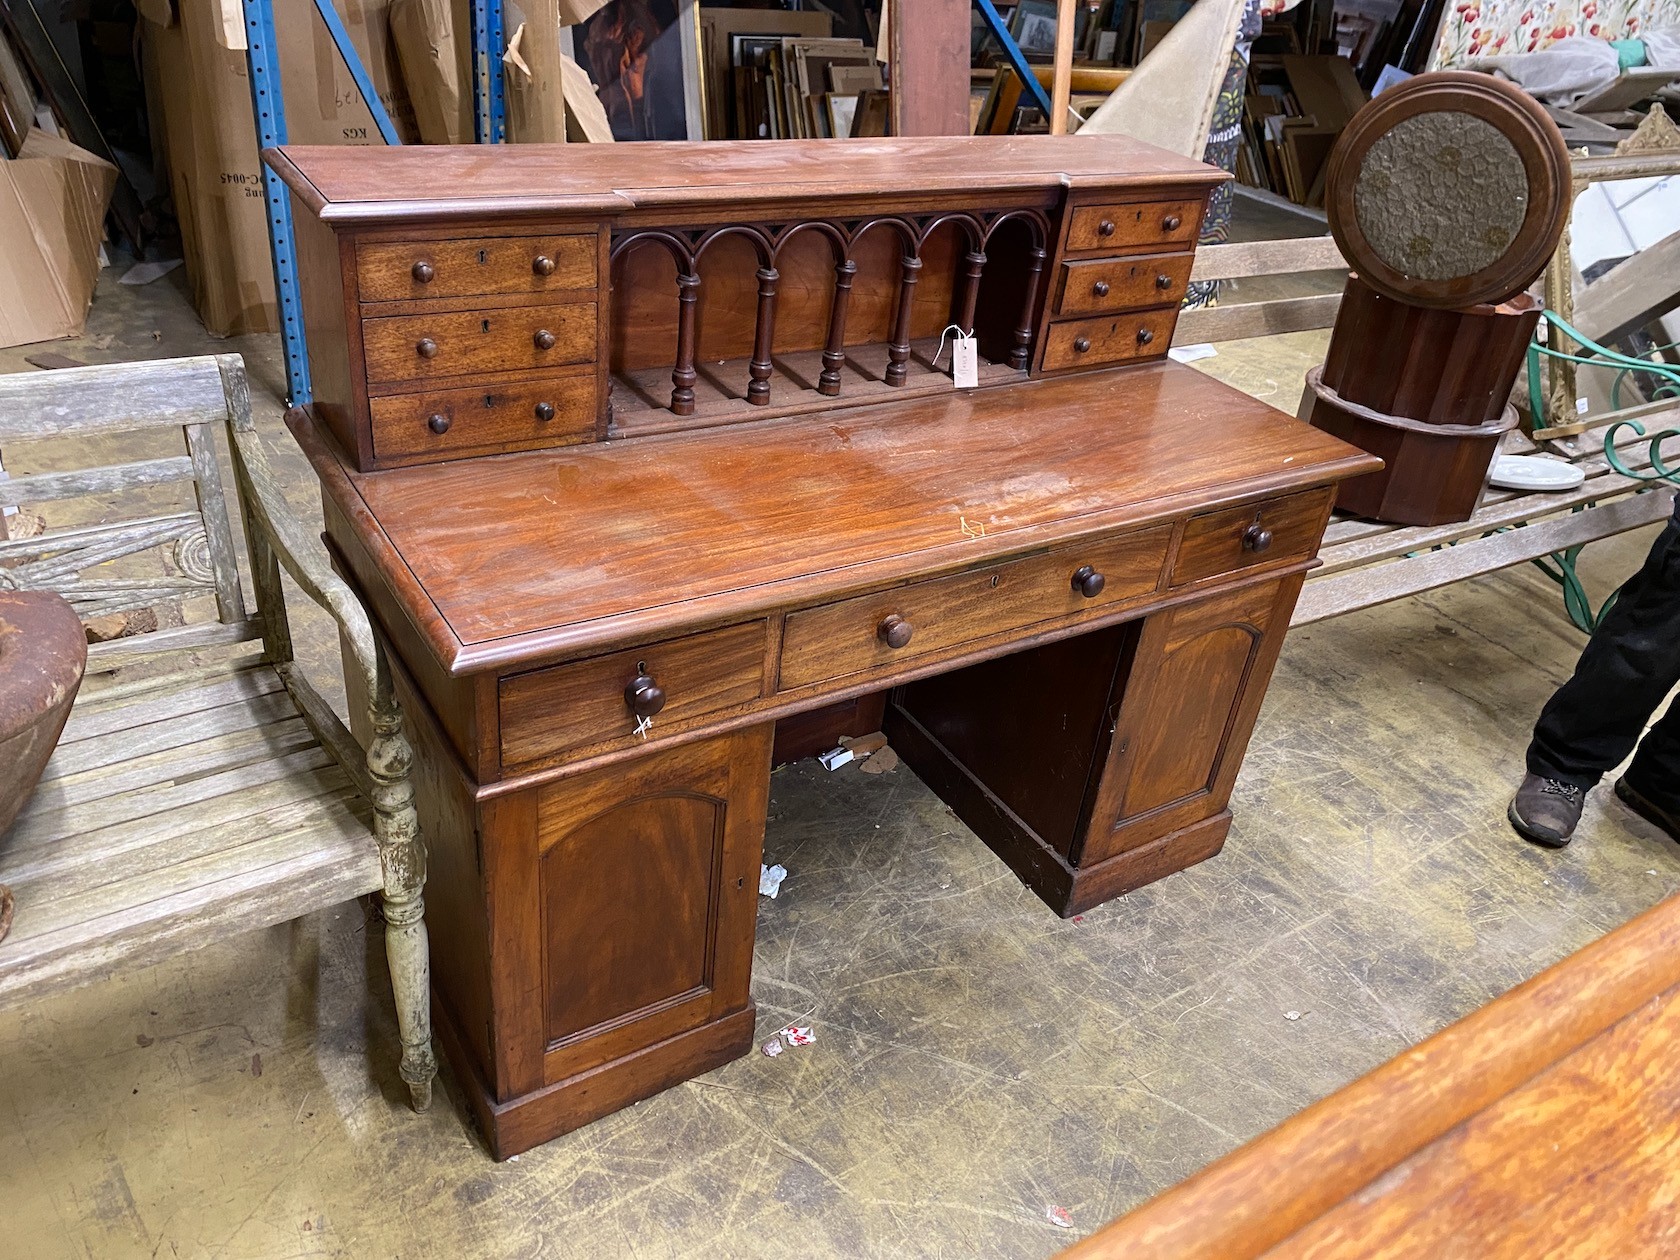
column 403, row 855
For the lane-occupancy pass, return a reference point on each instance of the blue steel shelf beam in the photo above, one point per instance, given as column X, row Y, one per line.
column 1017, row 58
column 268, row 108
column 489, row 108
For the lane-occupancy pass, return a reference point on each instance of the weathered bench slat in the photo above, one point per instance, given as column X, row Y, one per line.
column 46, row 487
column 88, row 718
column 1401, row 542
column 191, row 830
column 124, row 747
column 44, row 821
column 1376, row 584
column 205, row 635
column 113, row 398
column 236, row 893
column 238, row 748
column 1256, row 319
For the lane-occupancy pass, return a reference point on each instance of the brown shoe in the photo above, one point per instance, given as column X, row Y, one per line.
column 1546, row 810
column 1647, row 809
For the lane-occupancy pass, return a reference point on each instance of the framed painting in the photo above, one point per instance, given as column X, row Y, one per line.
column 644, row 59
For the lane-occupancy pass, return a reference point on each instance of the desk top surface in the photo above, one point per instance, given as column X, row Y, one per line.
column 359, row 182
column 527, row 557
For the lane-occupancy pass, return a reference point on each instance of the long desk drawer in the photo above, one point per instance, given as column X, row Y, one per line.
column 910, row 623
column 551, row 711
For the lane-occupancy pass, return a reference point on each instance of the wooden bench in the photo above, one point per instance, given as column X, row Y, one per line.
column 224, row 795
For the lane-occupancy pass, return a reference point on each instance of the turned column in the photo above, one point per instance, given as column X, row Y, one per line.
column 1021, row 356
column 976, row 261
column 683, row 376
column 835, row 353
column 758, row 390
column 898, row 349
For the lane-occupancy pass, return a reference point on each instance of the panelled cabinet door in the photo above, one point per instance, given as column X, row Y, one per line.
column 647, row 882
column 1197, row 682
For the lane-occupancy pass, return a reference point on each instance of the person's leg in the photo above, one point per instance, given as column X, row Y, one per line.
column 1651, row 786
column 1629, row 665
column 1595, row 719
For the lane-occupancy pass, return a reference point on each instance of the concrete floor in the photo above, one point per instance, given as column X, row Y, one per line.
column 976, row 1060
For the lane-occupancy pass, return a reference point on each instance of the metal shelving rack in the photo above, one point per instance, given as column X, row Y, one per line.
column 269, row 111
column 489, row 127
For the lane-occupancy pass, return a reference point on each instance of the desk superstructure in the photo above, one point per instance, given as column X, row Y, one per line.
column 636, row 450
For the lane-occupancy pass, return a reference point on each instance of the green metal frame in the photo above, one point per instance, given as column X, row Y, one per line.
column 1560, row 566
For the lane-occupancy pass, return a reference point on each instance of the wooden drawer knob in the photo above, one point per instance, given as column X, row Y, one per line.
column 422, row 271
column 1145, row 336
column 438, row 424
column 545, row 411
column 1256, row 538
column 1170, row 223
column 543, row 265
column 1081, row 344
column 426, row 348
column 1163, row 281
column 644, row 696
column 544, row 340
column 1087, row 581
column 1100, row 288
column 1105, row 228
column 895, row 632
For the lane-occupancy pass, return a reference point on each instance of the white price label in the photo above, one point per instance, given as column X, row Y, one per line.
column 1580, row 406
column 965, row 363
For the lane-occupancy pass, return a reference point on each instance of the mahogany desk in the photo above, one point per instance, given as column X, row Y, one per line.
column 608, row 574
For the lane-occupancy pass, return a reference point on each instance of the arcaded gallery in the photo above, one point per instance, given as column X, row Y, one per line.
column 839, row 628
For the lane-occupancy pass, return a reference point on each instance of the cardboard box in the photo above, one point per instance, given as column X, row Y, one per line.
column 53, row 197
column 434, row 68
column 208, row 137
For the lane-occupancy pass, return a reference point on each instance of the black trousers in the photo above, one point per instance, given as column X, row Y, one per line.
column 1630, row 664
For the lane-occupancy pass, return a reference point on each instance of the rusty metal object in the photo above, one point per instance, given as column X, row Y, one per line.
column 43, row 652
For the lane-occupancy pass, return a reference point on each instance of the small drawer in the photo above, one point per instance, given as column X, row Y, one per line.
column 556, row 410
column 912, row 623
column 1098, row 285
column 1133, row 225
column 551, row 711
column 1111, row 339
column 459, row 343
column 475, row 267
column 1261, row 533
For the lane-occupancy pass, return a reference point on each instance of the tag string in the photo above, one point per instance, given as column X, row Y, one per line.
column 949, row 329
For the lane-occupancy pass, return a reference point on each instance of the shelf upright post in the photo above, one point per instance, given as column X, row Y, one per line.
column 268, row 108
column 489, row 109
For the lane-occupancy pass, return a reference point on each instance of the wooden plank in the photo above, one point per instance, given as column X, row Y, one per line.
column 929, row 49
column 218, row 532
column 1267, row 258
column 1364, row 587
column 1513, row 511
column 108, row 855
column 1061, row 79
column 45, row 487
column 246, row 685
column 1256, row 319
column 259, row 884
column 1359, row 1144
column 50, row 816
column 110, row 398
column 191, row 761
column 1631, row 294
column 123, row 747
column 206, row 634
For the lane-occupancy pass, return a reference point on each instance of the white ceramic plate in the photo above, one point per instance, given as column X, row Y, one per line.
column 1535, row 472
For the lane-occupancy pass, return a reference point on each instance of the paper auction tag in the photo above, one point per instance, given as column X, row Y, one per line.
column 965, row 363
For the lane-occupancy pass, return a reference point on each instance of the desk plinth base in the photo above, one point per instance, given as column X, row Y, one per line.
column 523, row 1123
